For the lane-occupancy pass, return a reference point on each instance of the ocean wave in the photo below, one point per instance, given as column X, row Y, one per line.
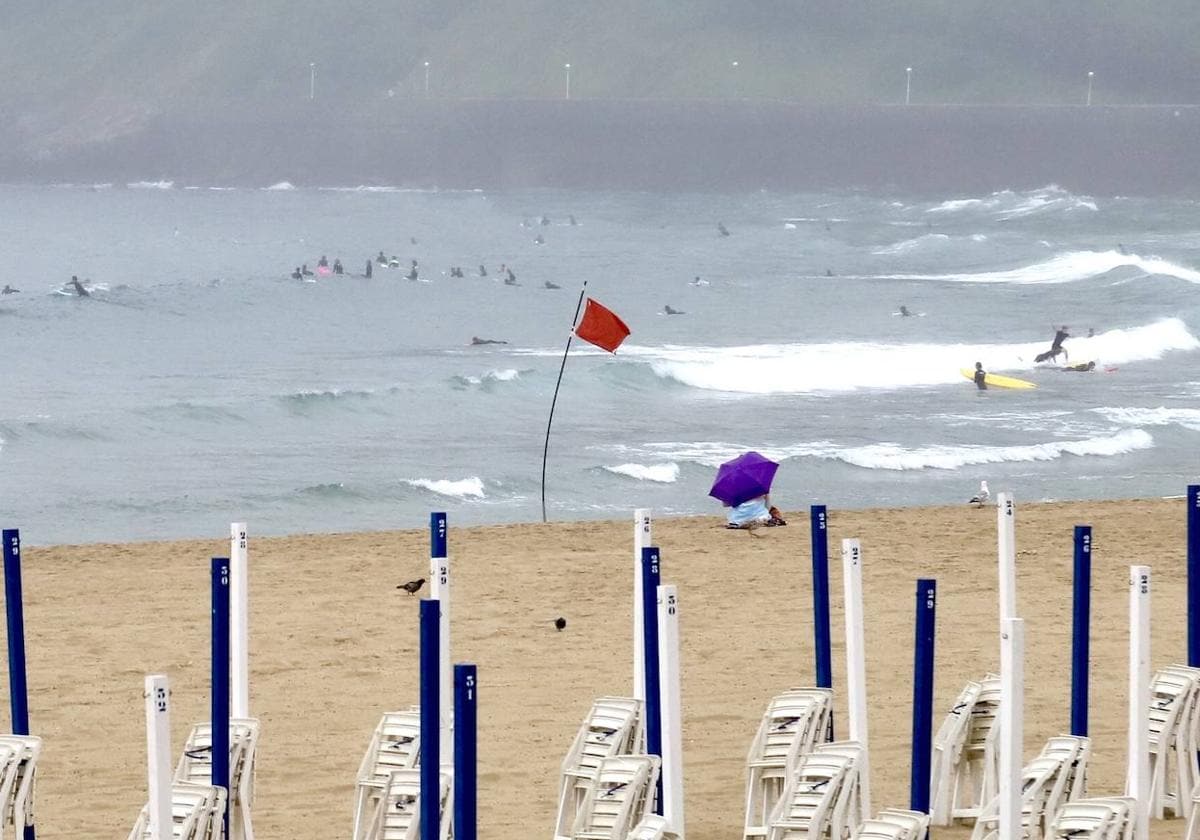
column 466, row 488
column 492, row 376
column 330, row 490
column 1187, row 417
column 907, row 245
column 660, row 473
column 192, row 411
column 1067, row 267
column 282, row 186
column 847, row 366
column 1008, row 204
column 894, row 457
column 890, row 456
column 327, row 396
column 151, row 185
column 51, row 430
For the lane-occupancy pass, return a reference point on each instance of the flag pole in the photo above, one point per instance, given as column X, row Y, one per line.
column 554, row 401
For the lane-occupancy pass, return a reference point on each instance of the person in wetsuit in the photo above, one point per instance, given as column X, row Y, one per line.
column 980, row 377
column 79, row 289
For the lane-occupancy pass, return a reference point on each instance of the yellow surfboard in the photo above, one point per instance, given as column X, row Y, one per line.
column 994, row 381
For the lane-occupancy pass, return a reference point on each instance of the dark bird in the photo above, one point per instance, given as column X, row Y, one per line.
column 412, row 586
column 560, row 623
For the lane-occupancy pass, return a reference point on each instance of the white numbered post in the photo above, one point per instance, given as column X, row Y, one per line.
column 1012, row 725
column 158, row 755
column 1007, row 550
column 670, row 707
column 439, row 574
column 856, row 661
column 239, row 627
column 641, row 539
column 1137, row 779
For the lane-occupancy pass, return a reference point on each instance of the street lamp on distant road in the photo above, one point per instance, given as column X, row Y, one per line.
column 1091, row 76
column 426, row 79
column 312, row 80
column 567, row 68
column 907, row 85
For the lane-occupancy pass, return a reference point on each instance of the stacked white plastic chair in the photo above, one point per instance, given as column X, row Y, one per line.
column 966, row 762
column 618, row 797
column 822, row 797
column 399, row 814
column 195, row 766
column 652, row 827
column 18, row 771
column 1047, row 783
column 395, row 745
column 1174, row 713
column 197, row 813
column 894, row 824
column 1192, row 831
column 1095, row 819
column 612, row 727
column 794, row 723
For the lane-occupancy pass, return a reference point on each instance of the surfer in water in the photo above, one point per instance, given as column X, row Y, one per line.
column 78, row 287
column 670, row 310
column 9, row 290
column 904, row 311
column 476, row 341
column 980, row 377
column 551, row 285
column 337, row 267
column 482, row 270
column 1082, row 367
column 1056, row 347
column 368, row 274
column 510, row 279
column 721, row 229
column 296, row 275
column 381, row 259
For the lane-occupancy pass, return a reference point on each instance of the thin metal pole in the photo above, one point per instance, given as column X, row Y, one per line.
column 554, row 401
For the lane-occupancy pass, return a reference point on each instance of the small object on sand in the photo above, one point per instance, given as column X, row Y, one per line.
column 560, row 623
column 981, row 498
column 412, row 586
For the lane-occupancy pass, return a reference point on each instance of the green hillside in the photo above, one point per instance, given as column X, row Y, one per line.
column 81, row 70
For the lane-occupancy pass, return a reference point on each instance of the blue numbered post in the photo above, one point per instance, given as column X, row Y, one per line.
column 922, row 722
column 823, row 645
column 1080, row 630
column 437, row 534
column 466, row 700
column 1193, row 573
column 650, row 579
column 18, row 687
column 220, row 679
column 431, row 758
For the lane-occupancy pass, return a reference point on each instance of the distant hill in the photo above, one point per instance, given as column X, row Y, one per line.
column 77, row 72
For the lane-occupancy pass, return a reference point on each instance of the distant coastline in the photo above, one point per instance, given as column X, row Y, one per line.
column 650, row 145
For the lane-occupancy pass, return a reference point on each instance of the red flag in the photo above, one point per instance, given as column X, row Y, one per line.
column 602, row 327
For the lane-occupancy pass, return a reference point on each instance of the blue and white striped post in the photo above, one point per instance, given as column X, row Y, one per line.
column 1080, row 630
column 439, row 590
column 823, row 645
column 650, row 579
column 922, row 720
column 466, row 699
column 431, row 798
column 1193, row 573
column 220, row 680
column 18, row 686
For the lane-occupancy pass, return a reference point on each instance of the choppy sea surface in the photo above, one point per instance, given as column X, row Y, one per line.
column 200, row 384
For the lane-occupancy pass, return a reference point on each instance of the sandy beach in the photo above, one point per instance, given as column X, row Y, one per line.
column 334, row 645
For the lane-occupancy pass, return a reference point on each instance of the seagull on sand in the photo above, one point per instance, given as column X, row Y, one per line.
column 981, row 498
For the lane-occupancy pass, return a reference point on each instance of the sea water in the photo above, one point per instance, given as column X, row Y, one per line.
column 200, row 384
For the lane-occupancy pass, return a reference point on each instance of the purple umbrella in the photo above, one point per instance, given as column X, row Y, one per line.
column 747, row 476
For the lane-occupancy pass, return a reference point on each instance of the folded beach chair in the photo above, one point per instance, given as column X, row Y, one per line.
column 948, row 746
column 652, row 827
column 1038, row 779
column 1173, row 701
column 197, row 813
column 195, row 766
column 1192, row 830
column 806, row 809
column 612, row 727
column 894, row 824
column 1109, row 818
column 975, row 779
column 793, row 724
column 618, row 797
column 17, row 782
column 848, row 811
column 395, row 745
column 399, row 814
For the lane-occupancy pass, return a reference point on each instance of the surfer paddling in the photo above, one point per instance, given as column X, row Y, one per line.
column 78, row 287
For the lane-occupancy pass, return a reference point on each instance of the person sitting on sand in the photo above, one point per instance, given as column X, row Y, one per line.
column 754, row 513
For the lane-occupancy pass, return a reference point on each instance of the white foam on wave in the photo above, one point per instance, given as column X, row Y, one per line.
column 466, row 488
column 282, row 186
column 847, row 366
column 505, row 375
column 1067, row 267
column 911, row 244
column 1187, row 417
column 661, row 473
column 1008, row 204
column 896, row 458
column 151, row 185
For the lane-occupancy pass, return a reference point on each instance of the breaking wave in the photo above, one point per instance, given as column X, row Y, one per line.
column 1067, row 268
column 1187, row 417
column 660, row 473
column 489, row 378
column 1007, row 204
column 151, row 185
column 847, row 366
column 282, row 186
column 466, row 488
